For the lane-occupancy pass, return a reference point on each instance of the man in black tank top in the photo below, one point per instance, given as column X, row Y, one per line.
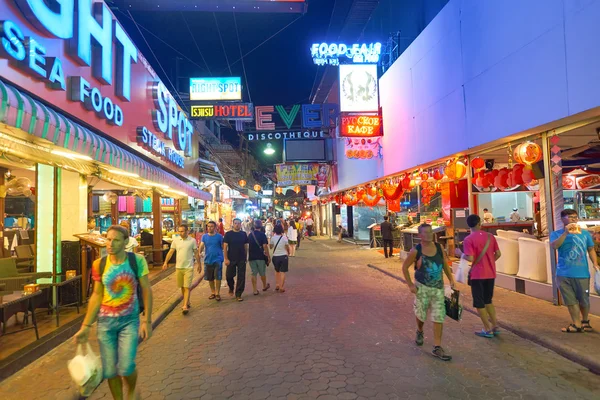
column 430, row 264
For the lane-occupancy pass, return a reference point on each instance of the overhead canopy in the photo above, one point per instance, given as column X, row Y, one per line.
column 19, row 110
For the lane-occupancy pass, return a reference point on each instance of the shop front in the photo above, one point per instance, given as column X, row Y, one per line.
column 85, row 142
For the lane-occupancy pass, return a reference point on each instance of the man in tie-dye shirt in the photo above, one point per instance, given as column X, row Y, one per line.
column 116, row 305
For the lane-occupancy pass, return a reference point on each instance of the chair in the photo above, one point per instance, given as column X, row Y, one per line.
column 25, row 257
column 532, row 260
column 501, row 233
column 515, row 235
column 508, row 263
column 10, row 276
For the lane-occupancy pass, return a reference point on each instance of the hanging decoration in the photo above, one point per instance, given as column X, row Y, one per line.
column 276, row 201
column 242, row 183
column 296, row 204
column 393, row 205
column 297, row 189
column 477, row 163
column 372, row 190
column 527, row 153
column 363, row 148
column 438, row 174
column 351, row 199
column 455, row 171
column 370, row 201
column 555, row 158
column 257, row 188
column 391, row 192
column 286, row 204
column 279, row 190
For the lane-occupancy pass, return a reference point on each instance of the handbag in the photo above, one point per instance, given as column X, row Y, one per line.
column 485, row 248
column 258, row 244
column 453, row 307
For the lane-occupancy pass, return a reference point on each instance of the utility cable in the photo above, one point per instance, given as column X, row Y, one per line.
column 222, row 44
column 243, row 64
column 162, row 41
column 196, row 43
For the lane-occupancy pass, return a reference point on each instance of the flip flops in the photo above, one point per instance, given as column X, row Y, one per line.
column 267, row 287
column 572, row 329
column 212, row 296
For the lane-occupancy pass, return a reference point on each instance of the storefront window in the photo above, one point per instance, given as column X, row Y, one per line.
column 364, row 217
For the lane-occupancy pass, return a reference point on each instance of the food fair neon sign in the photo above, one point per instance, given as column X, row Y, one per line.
column 336, row 53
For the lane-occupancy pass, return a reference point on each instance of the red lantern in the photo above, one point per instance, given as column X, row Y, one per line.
column 527, row 175
column 424, row 176
column 477, row 163
column 485, row 182
column 527, row 153
column 438, row 174
column 424, row 185
column 406, row 182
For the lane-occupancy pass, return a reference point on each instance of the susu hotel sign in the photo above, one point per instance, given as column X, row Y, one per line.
column 228, row 111
column 73, row 52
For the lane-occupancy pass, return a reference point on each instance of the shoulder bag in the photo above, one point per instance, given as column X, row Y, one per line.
column 258, row 244
column 480, row 256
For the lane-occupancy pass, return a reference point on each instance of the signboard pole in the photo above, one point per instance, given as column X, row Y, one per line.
column 157, row 228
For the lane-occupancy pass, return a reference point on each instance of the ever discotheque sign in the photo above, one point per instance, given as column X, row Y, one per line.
column 78, row 53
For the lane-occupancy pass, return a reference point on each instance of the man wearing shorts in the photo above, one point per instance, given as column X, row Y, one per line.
column 115, row 302
column 431, row 264
column 572, row 270
column 258, row 256
column 212, row 244
column 186, row 248
column 482, row 250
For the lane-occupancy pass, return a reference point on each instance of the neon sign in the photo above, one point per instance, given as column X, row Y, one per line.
column 228, row 111
column 340, row 53
column 216, row 88
column 313, row 116
column 361, row 126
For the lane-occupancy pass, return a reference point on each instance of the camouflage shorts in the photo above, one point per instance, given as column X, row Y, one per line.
column 429, row 299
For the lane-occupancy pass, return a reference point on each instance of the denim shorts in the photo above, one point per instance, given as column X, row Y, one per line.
column 118, row 339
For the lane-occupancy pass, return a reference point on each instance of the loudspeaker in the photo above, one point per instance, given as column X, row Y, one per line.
column 489, row 164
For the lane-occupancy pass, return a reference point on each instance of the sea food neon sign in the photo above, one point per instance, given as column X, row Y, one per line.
column 336, row 53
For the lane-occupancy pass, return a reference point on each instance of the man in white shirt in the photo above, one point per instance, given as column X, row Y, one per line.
column 187, row 249
column 488, row 218
column 514, row 215
column 309, row 225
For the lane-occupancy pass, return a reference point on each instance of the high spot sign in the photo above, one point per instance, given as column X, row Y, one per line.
column 340, row 53
column 225, row 111
column 216, row 89
column 361, row 126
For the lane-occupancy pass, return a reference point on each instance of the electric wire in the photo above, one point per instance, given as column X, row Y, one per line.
column 243, row 64
column 318, row 66
column 195, row 42
column 222, row 44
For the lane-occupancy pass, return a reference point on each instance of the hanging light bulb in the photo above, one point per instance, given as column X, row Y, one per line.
column 269, row 150
column 279, row 190
column 242, row 182
column 257, row 188
column 297, row 189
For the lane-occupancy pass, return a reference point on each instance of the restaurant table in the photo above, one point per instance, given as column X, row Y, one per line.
column 58, row 283
column 14, row 302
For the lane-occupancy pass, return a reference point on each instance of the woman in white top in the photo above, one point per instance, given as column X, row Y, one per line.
column 292, row 235
column 281, row 250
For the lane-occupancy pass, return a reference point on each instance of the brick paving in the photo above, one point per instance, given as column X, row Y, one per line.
column 341, row 331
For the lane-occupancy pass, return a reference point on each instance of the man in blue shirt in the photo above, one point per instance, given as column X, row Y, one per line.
column 212, row 242
column 572, row 269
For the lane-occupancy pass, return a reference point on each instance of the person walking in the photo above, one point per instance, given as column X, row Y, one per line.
column 187, row 249
column 387, row 235
column 221, row 227
column 482, row 250
column 430, row 263
column 114, row 302
column 235, row 250
column 309, row 225
column 292, row 235
column 269, row 229
column 572, row 269
column 247, row 226
column 258, row 256
column 132, row 244
column 281, row 251
column 300, row 228
column 212, row 244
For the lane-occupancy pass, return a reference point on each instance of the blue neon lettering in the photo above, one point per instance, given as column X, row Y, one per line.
column 108, row 108
column 96, row 98
column 12, row 41
column 56, row 75
column 43, row 18
column 310, row 116
column 173, row 118
column 160, row 116
column 126, row 55
column 36, row 59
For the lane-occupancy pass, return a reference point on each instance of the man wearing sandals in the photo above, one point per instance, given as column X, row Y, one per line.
column 258, row 256
column 572, row 269
column 235, row 250
column 212, row 244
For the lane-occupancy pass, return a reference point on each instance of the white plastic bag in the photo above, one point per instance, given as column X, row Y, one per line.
column 86, row 370
column 462, row 273
column 597, row 282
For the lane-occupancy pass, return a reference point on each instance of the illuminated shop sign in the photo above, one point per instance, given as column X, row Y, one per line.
column 360, row 126
column 313, row 116
column 359, row 88
column 157, row 147
column 216, row 89
column 228, row 111
column 259, row 137
column 340, row 53
column 76, row 51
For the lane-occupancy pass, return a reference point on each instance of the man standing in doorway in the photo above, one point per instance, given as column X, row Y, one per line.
column 309, row 225
column 115, row 302
column 572, row 269
column 387, row 236
column 187, row 249
column 212, row 244
column 235, row 249
column 482, row 250
column 258, row 256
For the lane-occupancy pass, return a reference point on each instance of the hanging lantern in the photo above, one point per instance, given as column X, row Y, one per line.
column 527, row 153
column 276, row 201
column 424, row 185
column 296, row 203
column 438, row 174
column 456, row 170
column 424, row 176
column 477, row 163
column 242, row 183
column 286, row 204
column 257, row 188
column 297, row 189
column 279, row 190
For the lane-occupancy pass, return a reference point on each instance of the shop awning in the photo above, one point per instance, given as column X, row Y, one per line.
column 19, row 110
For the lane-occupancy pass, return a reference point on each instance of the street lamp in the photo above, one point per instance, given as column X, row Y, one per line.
column 269, row 150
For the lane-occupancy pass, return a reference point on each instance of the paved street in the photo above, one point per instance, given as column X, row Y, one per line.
column 341, row 331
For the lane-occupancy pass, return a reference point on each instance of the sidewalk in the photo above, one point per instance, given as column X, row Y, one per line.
column 528, row 317
column 51, row 368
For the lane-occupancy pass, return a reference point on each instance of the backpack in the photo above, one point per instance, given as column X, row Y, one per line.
column 134, row 267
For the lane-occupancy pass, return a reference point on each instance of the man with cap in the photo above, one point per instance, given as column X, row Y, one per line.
column 514, row 215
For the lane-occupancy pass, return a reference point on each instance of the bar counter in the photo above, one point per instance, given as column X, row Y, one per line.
column 508, row 226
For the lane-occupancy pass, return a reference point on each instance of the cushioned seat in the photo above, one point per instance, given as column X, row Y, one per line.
column 532, row 260
column 515, row 235
column 501, row 233
column 508, row 263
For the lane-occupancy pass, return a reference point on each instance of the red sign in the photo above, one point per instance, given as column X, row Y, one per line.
column 361, row 126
